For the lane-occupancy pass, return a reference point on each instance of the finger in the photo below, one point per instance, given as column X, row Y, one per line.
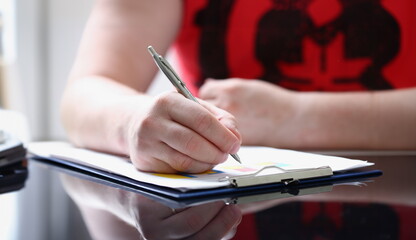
column 163, row 159
column 223, row 223
column 143, row 143
column 191, row 144
column 206, row 124
column 179, row 162
column 232, row 126
column 152, row 164
column 226, row 119
column 192, row 220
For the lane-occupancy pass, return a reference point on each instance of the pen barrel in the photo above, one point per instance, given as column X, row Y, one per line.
column 185, row 92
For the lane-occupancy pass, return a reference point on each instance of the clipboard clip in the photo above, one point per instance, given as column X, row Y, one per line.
column 275, row 174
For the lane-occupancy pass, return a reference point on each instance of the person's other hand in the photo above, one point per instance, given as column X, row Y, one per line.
column 263, row 111
column 179, row 135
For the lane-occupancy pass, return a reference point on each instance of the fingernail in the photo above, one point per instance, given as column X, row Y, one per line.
column 232, row 127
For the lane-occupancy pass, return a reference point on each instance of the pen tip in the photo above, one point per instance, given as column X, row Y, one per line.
column 236, row 157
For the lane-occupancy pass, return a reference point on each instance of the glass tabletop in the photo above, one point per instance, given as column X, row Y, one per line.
column 379, row 208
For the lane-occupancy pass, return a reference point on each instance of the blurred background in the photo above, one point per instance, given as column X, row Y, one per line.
column 39, row 40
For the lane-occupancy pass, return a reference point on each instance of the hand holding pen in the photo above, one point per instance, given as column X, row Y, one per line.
column 180, row 86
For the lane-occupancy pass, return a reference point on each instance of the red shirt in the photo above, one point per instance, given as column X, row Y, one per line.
column 306, row 45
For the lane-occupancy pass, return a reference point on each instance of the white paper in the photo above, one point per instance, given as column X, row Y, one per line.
column 253, row 159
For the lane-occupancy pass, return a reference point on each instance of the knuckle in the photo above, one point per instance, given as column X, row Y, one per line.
column 227, row 102
column 140, row 163
column 175, row 158
column 228, row 145
column 163, row 100
column 232, row 86
column 203, row 122
column 148, row 123
column 227, row 105
column 144, row 132
column 184, row 164
column 190, row 143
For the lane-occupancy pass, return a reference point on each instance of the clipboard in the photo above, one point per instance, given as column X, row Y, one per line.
column 264, row 187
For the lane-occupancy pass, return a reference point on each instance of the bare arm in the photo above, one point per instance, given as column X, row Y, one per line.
column 104, row 106
column 363, row 120
column 113, row 67
column 272, row 116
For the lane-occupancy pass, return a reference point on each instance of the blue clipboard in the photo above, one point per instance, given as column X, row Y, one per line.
column 176, row 198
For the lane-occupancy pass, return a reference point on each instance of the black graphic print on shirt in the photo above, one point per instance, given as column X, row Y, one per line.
column 214, row 20
column 308, row 44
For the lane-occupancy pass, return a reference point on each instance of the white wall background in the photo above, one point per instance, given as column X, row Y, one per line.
column 47, row 33
column 65, row 22
column 59, row 27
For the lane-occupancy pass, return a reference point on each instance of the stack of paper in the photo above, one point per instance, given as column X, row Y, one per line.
column 253, row 159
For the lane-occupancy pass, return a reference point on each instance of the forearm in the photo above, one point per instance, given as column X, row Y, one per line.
column 113, row 68
column 360, row 120
column 96, row 111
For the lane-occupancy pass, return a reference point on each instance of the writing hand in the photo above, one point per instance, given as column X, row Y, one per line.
column 181, row 135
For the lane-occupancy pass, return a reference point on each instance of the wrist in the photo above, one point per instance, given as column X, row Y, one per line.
column 333, row 121
column 283, row 128
column 128, row 115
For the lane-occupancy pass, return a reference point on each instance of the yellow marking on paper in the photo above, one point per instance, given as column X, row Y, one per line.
column 265, row 163
column 174, row 176
column 233, row 167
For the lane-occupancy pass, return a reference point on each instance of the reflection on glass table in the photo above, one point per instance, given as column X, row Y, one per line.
column 13, row 176
column 379, row 209
column 114, row 213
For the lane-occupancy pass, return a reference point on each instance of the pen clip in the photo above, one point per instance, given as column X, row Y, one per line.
column 167, row 69
column 165, row 66
column 170, row 69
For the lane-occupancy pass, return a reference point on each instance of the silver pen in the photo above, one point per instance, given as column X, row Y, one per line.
column 176, row 81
